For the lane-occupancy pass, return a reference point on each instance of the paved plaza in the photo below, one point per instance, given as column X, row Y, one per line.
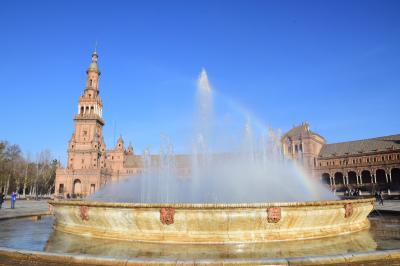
column 389, row 205
column 23, row 208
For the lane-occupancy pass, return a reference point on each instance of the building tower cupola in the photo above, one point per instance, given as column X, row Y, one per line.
column 130, row 149
column 120, row 144
column 93, row 74
column 93, row 65
column 90, row 103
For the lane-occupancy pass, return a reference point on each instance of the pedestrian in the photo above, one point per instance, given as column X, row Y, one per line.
column 381, row 198
column 13, row 199
column 377, row 196
column 1, row 198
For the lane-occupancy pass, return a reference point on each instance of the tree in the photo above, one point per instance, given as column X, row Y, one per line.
column 21, row 174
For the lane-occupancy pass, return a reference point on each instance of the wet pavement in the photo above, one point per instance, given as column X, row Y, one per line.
column 23, row 208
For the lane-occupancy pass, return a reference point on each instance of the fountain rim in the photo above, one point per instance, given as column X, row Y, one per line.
column 208, row 205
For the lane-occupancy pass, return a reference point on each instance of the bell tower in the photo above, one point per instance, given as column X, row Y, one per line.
column 86, row 148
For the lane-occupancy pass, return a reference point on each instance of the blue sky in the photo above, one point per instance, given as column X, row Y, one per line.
column 335, row 64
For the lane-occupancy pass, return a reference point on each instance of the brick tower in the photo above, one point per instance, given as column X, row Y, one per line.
column 86, row 165
column 86, row 149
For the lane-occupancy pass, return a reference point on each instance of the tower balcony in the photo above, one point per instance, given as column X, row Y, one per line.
column 80, row 117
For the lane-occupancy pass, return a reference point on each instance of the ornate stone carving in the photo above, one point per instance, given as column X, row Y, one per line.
column 167, row 215
column 348, row 210
column 84, row 212
column 274, row 214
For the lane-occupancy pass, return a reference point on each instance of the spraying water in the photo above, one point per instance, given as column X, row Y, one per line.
column 251, row 170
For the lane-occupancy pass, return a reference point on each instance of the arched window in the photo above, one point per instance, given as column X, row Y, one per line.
column 338, row 178
column 61, row 189
column 380, row 176
column 91, row 82
column 352, row 177
column 326, row 179
column 77, row 188
column 366, row 177
column 395, row 173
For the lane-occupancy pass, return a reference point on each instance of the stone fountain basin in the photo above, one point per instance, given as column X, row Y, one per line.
column 212, row 223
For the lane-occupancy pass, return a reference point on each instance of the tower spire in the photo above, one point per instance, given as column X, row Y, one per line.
column 93, row 73
column 93, row 67
column 90, row 102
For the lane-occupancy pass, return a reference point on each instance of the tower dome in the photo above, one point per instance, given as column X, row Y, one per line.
column 93, row 65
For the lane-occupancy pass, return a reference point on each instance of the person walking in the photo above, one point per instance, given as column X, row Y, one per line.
column 377, row 196
column 381, row 198
column 1, row 198
column 13, row 199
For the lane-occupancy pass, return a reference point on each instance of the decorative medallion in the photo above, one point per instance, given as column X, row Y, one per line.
column 84, row 212
column 348, row 210
column 167, row 215
column 274, row 214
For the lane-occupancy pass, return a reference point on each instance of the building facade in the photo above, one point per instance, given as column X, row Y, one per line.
column 369, row 164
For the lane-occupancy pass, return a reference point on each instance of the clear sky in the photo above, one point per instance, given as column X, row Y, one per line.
column 335, row 64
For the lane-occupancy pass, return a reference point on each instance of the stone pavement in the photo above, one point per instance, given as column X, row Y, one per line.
column 23, row 208
column 389, row 206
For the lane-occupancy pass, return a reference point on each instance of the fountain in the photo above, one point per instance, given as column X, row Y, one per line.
column 248, row 194
column 228, row 201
